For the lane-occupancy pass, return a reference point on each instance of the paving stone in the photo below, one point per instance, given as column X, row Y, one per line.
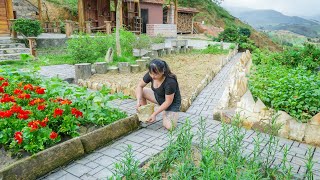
column 104, row 160
column 78, row 170
column 87, row 177
column 112, row 152
column 151, row 151
column 103, row 174
column 56, row 175
column 95, row 170
column 68, row 176
column 93, row 156
column 92, row 165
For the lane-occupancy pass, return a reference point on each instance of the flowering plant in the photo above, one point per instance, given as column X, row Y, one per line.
column 35, row 114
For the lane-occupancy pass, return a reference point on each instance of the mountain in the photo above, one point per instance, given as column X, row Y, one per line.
column 274, row 20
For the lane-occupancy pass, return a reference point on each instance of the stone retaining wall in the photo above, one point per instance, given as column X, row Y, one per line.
column 238, row 98
column 166, row 30
column 25, row 9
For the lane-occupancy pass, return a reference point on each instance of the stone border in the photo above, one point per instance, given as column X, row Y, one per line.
column 49, row 159
column 129, row 89
column 237, row 98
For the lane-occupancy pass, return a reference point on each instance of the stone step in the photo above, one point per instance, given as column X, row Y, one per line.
column 16, row 56
column 6, row 41
column 12, row 45
column 14, row 50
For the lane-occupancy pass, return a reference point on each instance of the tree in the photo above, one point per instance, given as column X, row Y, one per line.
column 118, row 26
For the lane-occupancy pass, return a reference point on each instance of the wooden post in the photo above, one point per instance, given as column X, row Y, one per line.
column 88, row 27
column 13, row 32
column 81, row 15
column 57, row 27
column 108, row 27
column 176, row 12
column 32, row 46
column 69, row 28
column 40, row 9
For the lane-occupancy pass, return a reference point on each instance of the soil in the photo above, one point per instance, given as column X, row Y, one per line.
column 190, row 69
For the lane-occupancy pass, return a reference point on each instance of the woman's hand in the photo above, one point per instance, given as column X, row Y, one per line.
column 152, row 118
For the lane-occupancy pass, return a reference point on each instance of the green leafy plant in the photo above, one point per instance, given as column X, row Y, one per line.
column 27, row 27
column 295, row 91
column 158, row 39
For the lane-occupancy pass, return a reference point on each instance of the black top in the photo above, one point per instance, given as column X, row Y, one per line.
column 168, row 86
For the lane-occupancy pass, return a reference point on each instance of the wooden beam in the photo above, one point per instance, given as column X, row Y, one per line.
column 81, row 15
column 40, row 9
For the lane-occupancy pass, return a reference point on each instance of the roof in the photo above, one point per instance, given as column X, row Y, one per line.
column 153, row 1
column 184, row 9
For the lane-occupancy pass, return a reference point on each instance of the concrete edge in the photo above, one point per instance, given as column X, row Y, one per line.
column 49, row 159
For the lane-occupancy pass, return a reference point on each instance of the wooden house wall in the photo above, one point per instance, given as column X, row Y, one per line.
column 4, row 25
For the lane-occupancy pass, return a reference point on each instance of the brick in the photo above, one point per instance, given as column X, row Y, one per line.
column 56, row 175
column 135, row 138
column 110, row 151
column 68, row 176
column 150, row 151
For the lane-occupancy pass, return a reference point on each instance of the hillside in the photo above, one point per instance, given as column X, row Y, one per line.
column 213, row 14
column 274, row 20
column 210, row 13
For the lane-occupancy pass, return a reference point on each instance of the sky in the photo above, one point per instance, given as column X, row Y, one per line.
column 287, row 7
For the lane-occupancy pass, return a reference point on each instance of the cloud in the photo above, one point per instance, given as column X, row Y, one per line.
column 288, row 7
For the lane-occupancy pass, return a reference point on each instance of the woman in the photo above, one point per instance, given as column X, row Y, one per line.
column 164, row 91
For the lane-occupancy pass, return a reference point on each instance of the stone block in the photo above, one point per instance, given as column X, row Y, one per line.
column 312, row 134
column 297, row 130
column 102, row 136
column 45, row 161
column 124, row 67
column 144, row 112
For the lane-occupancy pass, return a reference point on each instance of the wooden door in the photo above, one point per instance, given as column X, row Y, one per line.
column 4, row 25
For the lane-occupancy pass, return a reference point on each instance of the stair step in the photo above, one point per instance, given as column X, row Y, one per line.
column 14, row 50
column 12, row 45
column 6, row 41
column 10, row 56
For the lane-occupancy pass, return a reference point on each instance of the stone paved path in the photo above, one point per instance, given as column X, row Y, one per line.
column 152, row 138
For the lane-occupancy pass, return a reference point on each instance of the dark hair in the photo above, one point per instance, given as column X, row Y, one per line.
column 158, row 66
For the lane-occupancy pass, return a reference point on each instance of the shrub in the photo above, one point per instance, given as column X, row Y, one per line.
column 214, row 49
column 85, row 48
column 293, row 90
column 27, row 27
column 308, row 56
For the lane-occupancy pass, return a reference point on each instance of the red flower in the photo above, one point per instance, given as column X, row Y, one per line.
column 5, row 114
column 17, row 91
column 1, row 78
column 36, row 101
column 34, row 125
column 1, row 89
column 24, row 96
column 44, row 122
column 41, row 107
column 4, row 84
column 18, row 137
column 7, row 98
column 57, row 112
column 15, row 109
column 40, row 90
column 53, row 135
column 28, row 87
column 76, row 112
column 23, row 114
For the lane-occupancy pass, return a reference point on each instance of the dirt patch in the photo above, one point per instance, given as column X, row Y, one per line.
column 190, row 69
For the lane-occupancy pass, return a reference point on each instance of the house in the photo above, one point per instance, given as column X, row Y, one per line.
column 135, row 13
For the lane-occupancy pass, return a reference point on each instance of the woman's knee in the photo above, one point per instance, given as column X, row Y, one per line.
column 170, row 120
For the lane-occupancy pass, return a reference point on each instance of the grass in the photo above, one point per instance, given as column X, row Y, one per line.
column 213, row 49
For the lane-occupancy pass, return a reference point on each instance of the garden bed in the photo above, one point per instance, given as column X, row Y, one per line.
column 45, row 161
column 194, row 72
column 37, row 114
